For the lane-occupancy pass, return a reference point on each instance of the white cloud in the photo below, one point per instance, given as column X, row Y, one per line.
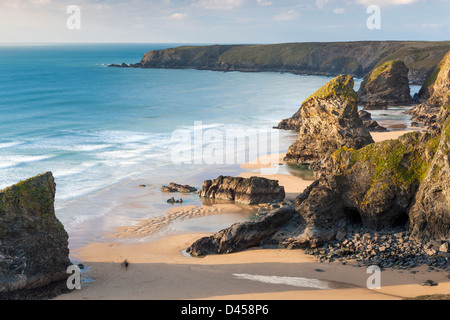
column 177, row 16
column 286, row 16
column 387, row 2
column 321, row 3
column 339, row 10
column 264, row 3
column 218, row 4
column 431, row 25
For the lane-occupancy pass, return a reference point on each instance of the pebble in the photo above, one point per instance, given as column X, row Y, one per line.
column 391, row 249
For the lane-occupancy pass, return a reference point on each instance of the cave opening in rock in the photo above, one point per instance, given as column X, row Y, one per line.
column 353, row 216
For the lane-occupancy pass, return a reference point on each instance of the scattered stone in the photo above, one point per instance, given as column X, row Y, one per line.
column 444, row 247
column 429, row 283
column 172, row 201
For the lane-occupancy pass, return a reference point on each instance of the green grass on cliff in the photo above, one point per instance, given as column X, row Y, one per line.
column 340, row 86
column 391, row 163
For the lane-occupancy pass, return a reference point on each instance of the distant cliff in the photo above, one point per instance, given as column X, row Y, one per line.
column 34, row 251
column 318, row 58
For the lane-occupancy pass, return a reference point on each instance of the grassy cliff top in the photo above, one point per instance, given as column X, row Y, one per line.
column 342, row 85
column 385, row 68
column 435, row 75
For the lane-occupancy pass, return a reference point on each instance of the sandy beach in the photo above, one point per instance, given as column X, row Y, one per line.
column 159, row 269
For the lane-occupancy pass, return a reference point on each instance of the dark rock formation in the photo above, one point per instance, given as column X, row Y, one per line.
column 33, row 243
column 330, row 121
column 293, row 123
column 331, row 59
column 386, row 85
column 434, row 93
column 372, row 125
column 253, row 190
column 244, row 235
column 174, row 187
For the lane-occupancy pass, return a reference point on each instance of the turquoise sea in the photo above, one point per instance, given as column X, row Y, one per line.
column 102, row 131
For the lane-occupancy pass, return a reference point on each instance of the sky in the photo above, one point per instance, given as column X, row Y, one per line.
column 221, row 21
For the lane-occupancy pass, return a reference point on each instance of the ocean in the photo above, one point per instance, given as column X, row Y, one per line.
column 103, row 131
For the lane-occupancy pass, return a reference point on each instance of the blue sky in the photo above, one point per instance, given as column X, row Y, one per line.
column 222, row 21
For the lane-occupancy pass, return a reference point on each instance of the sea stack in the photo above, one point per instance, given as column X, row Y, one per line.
column 34, row 249
column 386, row 85
column 330, row 121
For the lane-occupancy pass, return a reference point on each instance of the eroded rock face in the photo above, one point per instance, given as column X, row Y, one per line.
column 253, row 190
column 435, row 90
column 386, row 85
column 33, row 243
column 434, row 94
column 430, row 213
column 330, row 121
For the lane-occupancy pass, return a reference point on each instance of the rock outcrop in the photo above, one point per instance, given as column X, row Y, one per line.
column 33, row 243
column 386, row 85
column 253, row 190
column 244, row 235
column 330, row 121
column 175, row 187
column 372, row 125
column 434, row 93
column 385, row 185
column 293, row 123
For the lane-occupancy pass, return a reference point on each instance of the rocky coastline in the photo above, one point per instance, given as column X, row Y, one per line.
column 384, row 203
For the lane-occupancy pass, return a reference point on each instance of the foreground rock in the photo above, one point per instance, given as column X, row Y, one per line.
column 433, row 94
column 330, row 121
column 241, row 236
column 386, row 85
column 34, row 253
column 253, row 190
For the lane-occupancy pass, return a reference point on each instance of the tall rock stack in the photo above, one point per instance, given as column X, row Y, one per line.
column 386, row 85
column 33, row 243
column 329, row 121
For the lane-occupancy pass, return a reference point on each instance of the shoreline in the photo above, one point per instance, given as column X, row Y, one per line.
column 158, row 268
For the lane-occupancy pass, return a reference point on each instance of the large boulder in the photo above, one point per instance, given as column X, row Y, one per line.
column 253, row 190
column 329, row 121
column 386, row 85
column 33, row 243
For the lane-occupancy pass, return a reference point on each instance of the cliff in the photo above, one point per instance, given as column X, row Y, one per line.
column 319, row 58
column 386, row 85
column 33, row 243
column 435, row 92
column 329, row 121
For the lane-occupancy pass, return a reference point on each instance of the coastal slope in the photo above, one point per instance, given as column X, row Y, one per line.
column 319, row 58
